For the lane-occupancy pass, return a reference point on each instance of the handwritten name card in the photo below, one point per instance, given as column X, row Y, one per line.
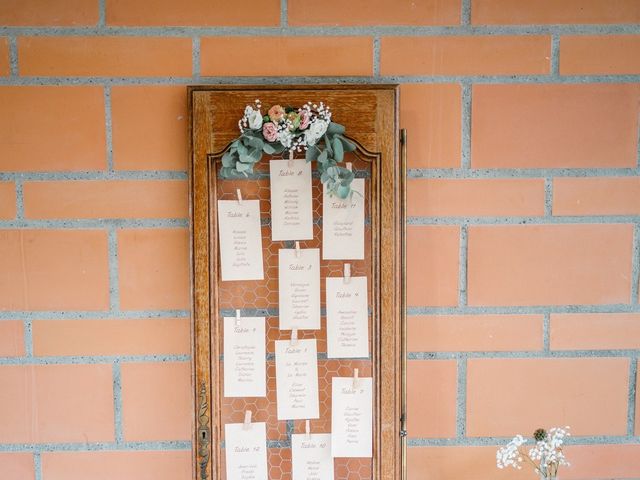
column 351, row 417
column 347, row 318
column 246, row 451
column 343, row 224
column 244, row 357
column 299, row 288
column 291, row 210
column 297, row 379
column 240, row 240
column 311, row 457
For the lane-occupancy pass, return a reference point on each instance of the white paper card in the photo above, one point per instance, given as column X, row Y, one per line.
column 291, row 210
column 246, row 451
column 347, row 318
column 351, row 417
column 343, row 224
column 240, row 240
column 299, row 288
column 297, row 379
column 311, row 457
column 244, row 357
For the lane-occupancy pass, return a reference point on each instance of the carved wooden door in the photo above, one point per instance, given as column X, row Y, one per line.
column 369, row 114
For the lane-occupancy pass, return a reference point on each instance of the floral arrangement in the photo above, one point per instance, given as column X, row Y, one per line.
column 546, row 456
column 308, row 128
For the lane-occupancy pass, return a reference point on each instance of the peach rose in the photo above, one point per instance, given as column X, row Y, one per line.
column 276, row 113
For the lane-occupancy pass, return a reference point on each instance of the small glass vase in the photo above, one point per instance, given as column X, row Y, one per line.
column 547, row 476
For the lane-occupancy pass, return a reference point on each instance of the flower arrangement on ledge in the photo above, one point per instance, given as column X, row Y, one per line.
column 308, row 128
column 545, row 457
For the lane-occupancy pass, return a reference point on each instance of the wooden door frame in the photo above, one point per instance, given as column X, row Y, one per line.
column 390, row 385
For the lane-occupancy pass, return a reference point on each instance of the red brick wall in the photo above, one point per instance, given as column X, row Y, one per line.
column 524, row 212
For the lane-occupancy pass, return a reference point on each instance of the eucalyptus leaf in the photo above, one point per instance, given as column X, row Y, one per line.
column 242, row 150
column 346, row 144
column 254, row 142
column 335, row 128
column 327, row 144
column 243, row 167
column 312, row 153
column 338, row 152
column 342, row 191
column 230, row 158
column 268, row 149
column 322, row 158
column 278, row 147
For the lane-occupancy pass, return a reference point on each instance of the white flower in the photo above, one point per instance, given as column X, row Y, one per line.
column 247, row 110
column 255, row 119
column 285, row 137
column 315, row 131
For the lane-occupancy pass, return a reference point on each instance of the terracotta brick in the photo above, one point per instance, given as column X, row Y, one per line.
column 549, row 264
column 595, row 331
column 7, row 200
column 593, row 55
column 5, row 68
column 11, row 338
column 554, row 126
column 154, row 268
column 504, row 12
column 596, row 196
column 602, row 461
column 52, row 128
column 105, row 56
column 17, row 466
column 48, row 12
column 141, row 465
column 588, row 462
column 106, row 199
column 475, row 197
column 58, row 270
column 156, row 401
column 111, row 337
column 193, row 12
column 374, row 12
column 431, row 398
column 432, row 265
column 56, row 403
column 468, row 55
column 299, row 56
column 432, row 115
column 159, row 115
column 459, row 463
column 474, row 333
column 515, row 395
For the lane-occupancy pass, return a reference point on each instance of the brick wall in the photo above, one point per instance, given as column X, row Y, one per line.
column 524, row 205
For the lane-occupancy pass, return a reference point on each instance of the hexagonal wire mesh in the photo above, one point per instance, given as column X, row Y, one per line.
column 261, row 298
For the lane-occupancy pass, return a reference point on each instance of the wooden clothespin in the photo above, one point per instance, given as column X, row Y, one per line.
column 349, row 166
column 307, row 430
column 294, row 337
column 247, row 420
column 237, row 318
column 355, row 378
column 347, row 273
column 290, row 164
column 239, row 196
column 297, row 249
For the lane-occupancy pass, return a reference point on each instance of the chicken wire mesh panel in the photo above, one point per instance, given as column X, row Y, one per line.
column 260, row 298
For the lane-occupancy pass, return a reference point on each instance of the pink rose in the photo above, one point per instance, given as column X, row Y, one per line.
column 304, row 119
column 270, row 132
column 276, row 113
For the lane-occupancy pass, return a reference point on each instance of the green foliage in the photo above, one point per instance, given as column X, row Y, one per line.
column 247, row 150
